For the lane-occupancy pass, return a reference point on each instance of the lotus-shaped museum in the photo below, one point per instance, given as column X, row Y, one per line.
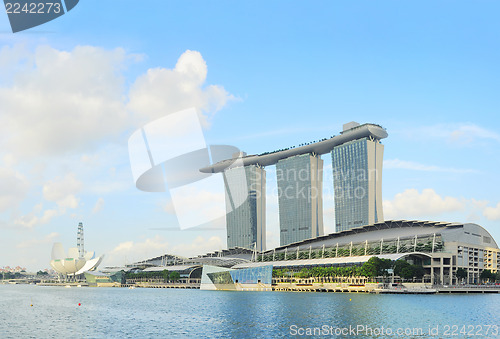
column 72, row 263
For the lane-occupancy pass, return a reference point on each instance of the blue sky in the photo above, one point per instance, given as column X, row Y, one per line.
column 266, row 76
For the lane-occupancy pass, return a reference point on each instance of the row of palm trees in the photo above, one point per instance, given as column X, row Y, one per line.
column 160, row 276
column 374, row 267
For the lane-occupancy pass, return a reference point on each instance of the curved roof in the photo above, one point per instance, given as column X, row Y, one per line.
column 471, row 234
column 388, row 229
column 186, row 271
column 321, row 147
column 392, row 229
column 176, row 268
column 90, row 265
column 217, row 261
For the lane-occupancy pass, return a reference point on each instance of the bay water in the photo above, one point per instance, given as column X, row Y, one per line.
column 28, row 311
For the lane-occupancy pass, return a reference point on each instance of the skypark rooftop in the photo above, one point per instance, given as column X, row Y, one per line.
column 373, row 131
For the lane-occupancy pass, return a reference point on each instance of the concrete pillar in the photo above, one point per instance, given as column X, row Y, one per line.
column 441, row 268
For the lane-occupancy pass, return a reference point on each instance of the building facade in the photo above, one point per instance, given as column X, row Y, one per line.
column 300, row 201
column 245, row 191
column 250, row 279
column 441, row 248
column 300, row 197
column 357, row 181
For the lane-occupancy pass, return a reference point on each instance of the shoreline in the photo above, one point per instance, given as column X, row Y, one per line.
column 325, row 288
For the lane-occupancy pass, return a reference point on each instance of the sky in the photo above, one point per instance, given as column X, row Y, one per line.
column 264, row 76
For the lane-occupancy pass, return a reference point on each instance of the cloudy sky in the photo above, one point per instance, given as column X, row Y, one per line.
column 263, row 76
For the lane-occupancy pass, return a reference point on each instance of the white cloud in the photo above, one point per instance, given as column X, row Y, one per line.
column 198, row 204
column 415, row 166
column 168, row 207
column 131, row 251
column 200, row 245
column 467, row 133
column 272, row 239
column 12, row 58
column 124, row 246
column 99, row 205
column 328, row 220
column 492, row 213
column 14, row 187
column 9, row 160
column 62, row 101
column 32, row 219
column 62, row 191
column 49, row 238
column 63, row 110
column 461, row 133
column 162, row 91
column 411, row 203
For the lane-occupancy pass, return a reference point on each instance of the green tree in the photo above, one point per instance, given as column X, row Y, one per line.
column 165, row 274
column 487, row 275
column 399, row 265
column 174, row 276
column 371, row 267
column 304, row 273
column 407, row 271
column 461, row 273
column 385, row 265
column 418, row 271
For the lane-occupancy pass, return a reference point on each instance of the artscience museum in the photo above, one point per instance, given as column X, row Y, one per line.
column 76, row 261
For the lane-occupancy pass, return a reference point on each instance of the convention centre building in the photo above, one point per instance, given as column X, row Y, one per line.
column 440, row 247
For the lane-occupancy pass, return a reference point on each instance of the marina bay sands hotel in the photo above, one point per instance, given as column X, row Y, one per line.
column 357, row 155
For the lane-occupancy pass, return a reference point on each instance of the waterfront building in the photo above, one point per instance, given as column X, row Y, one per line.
column 76, row 261
column 300, row 193
column 441, row 248
column 249, row 279
column 245, row 193
column 357, row 180
column 99, row 279
column 222, row 258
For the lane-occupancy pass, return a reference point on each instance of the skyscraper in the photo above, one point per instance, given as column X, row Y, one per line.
column 300, row 197
column 357, row 166
column 357, row 181
column 245, row 189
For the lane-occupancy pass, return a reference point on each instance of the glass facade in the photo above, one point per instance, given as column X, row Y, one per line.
column 300, row 197
column 357, row 181
column 221, row 278
column 254, row 275
column 245, row 189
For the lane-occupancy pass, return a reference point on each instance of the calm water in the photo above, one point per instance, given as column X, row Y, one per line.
column 167, row 313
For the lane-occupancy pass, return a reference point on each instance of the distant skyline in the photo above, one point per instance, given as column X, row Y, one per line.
column 266, row 76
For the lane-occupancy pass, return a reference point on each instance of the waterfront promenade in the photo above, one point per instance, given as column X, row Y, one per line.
column 313, row 286
column 405, row 288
